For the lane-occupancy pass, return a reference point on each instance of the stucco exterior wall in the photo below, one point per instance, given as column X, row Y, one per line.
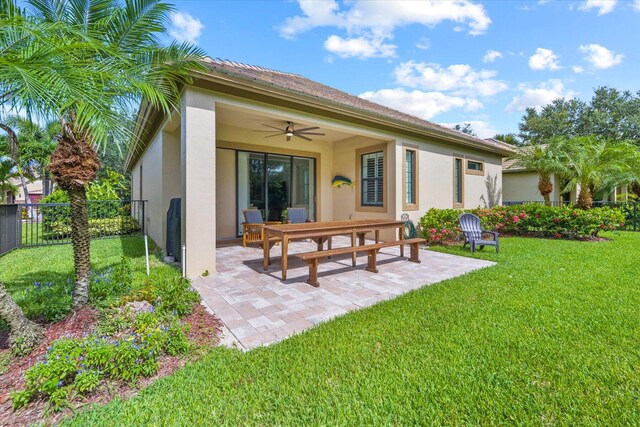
column 225, row 193
column 522, row 186
column 151, row 190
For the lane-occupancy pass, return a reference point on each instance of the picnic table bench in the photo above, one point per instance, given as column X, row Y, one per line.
column 321, row 232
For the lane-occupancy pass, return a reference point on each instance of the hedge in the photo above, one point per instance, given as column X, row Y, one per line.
column 441, row 225
column 118, row 226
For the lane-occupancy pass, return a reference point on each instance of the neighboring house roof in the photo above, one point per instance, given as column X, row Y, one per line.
column 296, row 88
column 509, row 165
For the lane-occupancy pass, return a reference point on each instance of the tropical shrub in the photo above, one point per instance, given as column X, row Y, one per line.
column 46, row 302
column 441, row 225
column 118, row 226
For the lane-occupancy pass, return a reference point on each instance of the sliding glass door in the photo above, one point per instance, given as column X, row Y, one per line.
column 274, row 182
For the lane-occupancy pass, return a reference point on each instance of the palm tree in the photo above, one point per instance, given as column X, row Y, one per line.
column 110, row 60
column 594, row 164
column 540, row 158
column 8, row 175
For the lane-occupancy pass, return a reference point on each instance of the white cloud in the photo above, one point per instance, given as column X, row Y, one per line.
column 377, row 20
column 578, row 69
column 185, row 28
column 425, row 44
column 603, row 6
column 544, row 59
column 482, row 128
column 491, row 56
column 359, row 47
column 420, row 104
column 537, row 96
column 459, row 79
column 636, row 5
column 599, row 56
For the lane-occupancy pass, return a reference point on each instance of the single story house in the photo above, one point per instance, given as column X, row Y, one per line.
column 33, row 187
column 521, row 185
column 233, row 145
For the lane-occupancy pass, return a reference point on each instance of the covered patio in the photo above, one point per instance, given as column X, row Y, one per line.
column 259, row 309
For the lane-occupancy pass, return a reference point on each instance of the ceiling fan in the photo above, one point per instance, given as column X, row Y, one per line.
column 291, row 131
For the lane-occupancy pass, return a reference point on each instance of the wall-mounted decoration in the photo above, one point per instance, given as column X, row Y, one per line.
column 339, row 181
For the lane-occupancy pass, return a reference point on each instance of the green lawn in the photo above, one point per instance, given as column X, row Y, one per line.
column 548, row 336
column 20, row 268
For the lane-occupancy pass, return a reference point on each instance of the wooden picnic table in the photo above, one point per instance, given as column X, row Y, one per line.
column 321, row 232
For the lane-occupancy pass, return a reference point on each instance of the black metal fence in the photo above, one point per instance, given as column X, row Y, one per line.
column 42, row 224
column 629, row 209
column 9, row 235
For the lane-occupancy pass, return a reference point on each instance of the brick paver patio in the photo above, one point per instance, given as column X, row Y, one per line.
column 259, row 309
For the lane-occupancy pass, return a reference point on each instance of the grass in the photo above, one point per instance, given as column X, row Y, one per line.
column 20, row 268
column 548, row 336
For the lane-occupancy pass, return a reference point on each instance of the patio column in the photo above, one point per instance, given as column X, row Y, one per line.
column 198, row 156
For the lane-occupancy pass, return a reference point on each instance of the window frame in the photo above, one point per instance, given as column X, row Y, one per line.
column 360, row 207
column 457, row 204
column 470, row 171
column 414, row 204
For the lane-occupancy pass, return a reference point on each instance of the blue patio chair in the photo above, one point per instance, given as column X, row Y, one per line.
column 297, row 215
column 473, row 233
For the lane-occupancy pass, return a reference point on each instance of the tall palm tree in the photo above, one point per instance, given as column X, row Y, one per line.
column 118, row 62
column 594, row 164
column 543, row 159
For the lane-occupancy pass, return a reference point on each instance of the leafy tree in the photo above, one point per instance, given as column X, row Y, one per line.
column 544, row 160
column 594, row 164
column 561, row 118
column 465, row 128
column 509, row 138
column 610, row 115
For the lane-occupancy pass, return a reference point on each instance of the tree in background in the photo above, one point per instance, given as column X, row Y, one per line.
column 594, row 164
column 543, row 159
column 610, row 114
column 509, row 138
column 465, row 128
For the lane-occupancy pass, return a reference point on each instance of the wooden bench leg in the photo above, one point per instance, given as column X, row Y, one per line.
column 371, row 261
column 313, row 273
column 361, row 237
column 415, row 254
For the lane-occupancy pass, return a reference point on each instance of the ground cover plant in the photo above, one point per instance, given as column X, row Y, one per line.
column 441, row 225
column 136, row 328
column 547, row 336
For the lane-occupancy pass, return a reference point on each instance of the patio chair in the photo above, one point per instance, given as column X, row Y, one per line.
column 252, row 226
column 297, row 215
column 473, row 233
column 408, row 229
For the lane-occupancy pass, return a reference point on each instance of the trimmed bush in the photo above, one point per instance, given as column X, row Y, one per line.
column 441, row 225
column 118, row 226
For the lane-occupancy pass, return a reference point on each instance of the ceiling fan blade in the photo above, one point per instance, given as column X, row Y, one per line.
column 271, row 136
column 300, row 136
column 280, row 130
column 272, row 127
column 305, row 129
column 309, row 133
column 288, row 138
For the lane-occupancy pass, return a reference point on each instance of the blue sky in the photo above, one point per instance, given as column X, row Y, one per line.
column 479, row 62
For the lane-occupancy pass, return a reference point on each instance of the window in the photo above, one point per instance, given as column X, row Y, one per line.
column 410, row 179
column 475, row 167
column 373, row 179
column 458, row 183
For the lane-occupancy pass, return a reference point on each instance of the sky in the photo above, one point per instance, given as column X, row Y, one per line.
column 477, row 62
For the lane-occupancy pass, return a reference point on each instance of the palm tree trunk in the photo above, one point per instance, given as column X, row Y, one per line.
column 545, row 187
column 585, row 199
column 81, row 244
column 24, row 333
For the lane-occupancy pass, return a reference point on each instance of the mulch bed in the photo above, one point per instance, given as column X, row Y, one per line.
column 205, row 330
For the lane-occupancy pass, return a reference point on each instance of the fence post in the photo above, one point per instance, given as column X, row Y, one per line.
column 19, row 226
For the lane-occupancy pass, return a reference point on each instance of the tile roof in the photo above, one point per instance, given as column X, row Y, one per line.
column 297, row 84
